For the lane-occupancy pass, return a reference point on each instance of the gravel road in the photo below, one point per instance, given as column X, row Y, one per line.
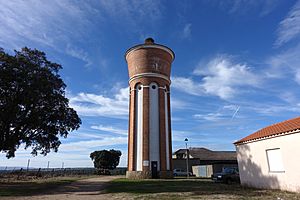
column 86, row 189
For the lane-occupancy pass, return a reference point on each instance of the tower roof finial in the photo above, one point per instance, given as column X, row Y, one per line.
column 149, row 41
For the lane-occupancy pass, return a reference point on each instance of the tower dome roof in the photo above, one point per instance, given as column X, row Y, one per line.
column 149, row 43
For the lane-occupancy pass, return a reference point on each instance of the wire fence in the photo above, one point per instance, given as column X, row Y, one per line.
column 35, row 173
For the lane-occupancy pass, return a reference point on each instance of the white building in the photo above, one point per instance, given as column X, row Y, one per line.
column 270, row 157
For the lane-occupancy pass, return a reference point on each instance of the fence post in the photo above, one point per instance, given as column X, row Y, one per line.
column 28, row 164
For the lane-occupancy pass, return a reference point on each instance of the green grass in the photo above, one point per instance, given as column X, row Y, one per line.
column 190, row 189
column 149, row 189
column 28, row 188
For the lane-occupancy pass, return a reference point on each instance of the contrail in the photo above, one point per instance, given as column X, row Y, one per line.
column 235, row 113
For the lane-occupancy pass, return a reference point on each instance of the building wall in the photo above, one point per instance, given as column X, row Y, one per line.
column 204, row 171
column 181, row 163
column 254, row 166
column 216, row 166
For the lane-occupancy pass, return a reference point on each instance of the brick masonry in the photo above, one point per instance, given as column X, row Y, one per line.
column 154, row 60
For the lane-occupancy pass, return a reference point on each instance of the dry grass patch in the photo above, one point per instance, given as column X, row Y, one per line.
column 15, row 187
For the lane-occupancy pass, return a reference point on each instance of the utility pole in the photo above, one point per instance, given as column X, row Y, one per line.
column 48, row 165
column 62, row 165
column 187, row 158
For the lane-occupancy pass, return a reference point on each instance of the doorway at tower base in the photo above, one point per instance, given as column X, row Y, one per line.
column 148, row 174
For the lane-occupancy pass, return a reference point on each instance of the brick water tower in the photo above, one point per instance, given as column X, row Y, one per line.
column 149, row 132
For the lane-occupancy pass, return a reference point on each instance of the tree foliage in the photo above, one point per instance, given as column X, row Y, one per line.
column 106, row 159
column 33, row 108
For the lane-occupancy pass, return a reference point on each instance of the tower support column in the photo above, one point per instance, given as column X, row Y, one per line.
column 131, row 130
column 146, row 163
column 162, row 130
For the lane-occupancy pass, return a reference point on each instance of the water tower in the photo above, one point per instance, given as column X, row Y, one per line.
column 149, row 132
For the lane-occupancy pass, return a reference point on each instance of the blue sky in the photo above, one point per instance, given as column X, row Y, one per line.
column 237, row 66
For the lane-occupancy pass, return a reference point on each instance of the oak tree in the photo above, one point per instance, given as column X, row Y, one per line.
column 34, row 110
column 106, row 159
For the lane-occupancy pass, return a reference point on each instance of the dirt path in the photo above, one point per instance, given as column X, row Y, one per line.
column 87, row 189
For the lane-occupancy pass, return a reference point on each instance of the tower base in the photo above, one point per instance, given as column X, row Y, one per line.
column 138, row 174
column 166, row 174
column 148, row 174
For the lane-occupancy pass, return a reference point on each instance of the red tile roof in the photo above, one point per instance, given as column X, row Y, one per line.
column 274, row 129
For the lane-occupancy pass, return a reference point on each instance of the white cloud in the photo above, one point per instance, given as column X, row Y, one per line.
column 285, row 64
column 289, row 28
column 39, row 21
column 133, row 12
column 289, row 97
column 220, row 77
column 187, row 31
column 73, row 154
column 179, row 136
column 87, row 104
column 110, row 129
column 177, row 103
column 268, row 6
column 209, row 116
column 65, row 26
column 271, row 110
column 54, row 24
column 230, row 107
column 187, row 85
column 85, row 136
column 92, row 144
column 244, row 6
column 79, row 54
column 227, row 112
column 221, row 74
column 86, row 147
